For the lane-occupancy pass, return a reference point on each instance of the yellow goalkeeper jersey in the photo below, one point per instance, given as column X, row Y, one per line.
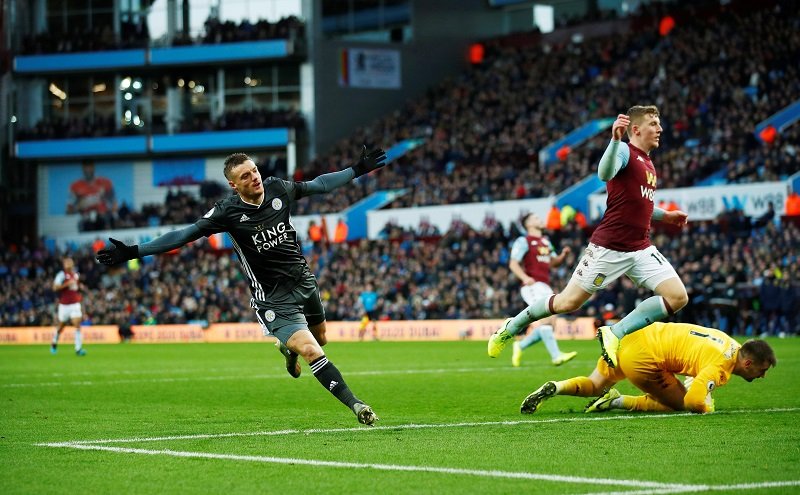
column 706, row 354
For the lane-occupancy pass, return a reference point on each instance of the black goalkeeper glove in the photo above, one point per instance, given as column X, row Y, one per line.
column 368, row 162
column 117, row 254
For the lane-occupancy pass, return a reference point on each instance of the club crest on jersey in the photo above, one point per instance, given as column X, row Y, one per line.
column 598, row 280
column 269, row 315
column 277, row 204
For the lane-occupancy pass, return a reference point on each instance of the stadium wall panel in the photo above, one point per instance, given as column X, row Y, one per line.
column 227, row 52
column 342, row 331
column 75, row 62
column 706, row 203
column 443, row 216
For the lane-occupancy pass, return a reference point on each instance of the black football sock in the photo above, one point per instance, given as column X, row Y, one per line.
column 330, row 378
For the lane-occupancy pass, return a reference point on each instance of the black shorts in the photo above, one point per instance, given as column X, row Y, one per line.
column 289, row 309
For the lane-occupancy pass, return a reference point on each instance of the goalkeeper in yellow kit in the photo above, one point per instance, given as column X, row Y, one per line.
column 650, row 359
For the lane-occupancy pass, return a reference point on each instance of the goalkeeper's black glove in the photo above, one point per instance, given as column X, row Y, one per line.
column 368, row 162
column 117, row 254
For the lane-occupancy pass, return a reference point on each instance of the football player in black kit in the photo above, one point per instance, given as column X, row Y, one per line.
column 285, row 294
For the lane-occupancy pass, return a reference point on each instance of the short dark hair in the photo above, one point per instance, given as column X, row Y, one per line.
column 232, row 161
column 759, row 351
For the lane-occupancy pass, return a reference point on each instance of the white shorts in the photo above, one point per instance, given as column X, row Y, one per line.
column 67, row 312
column 600, row 266
column 535, row 291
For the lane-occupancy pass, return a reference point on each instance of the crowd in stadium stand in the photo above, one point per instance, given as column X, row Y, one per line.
column 484, row 129
column 256, row 119
column 97, row 38
column 103, row 126
column 180, row 207
column 217, row 31
column 741, row 275
column 74, row 127
column 136, row 35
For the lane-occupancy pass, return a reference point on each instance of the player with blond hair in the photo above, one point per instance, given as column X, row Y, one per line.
column 620, row 245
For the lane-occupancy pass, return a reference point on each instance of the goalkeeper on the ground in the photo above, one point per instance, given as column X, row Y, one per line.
column 652, row 357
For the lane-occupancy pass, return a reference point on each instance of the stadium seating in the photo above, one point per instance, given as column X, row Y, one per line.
column 483, row 129
column 136, row 35
column 741, row 276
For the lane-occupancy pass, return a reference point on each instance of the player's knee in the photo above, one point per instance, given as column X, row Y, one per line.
column 545, row 331
column 678, row 300
column 310, row 351
column 562, row 303
column 318, row 331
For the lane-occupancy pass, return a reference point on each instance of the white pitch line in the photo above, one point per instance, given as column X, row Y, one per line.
column 660, row 491
column 386, row 467
column 705, row 488
column 361, row 429
column 112, row 372
column 244, row 376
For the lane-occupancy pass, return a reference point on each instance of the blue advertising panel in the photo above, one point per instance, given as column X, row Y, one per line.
column 57, row 62
column 245, row 50
column 221, row 140
column 74, row 148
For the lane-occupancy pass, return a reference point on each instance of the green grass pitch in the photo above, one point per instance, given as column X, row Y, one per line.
column 226, row 418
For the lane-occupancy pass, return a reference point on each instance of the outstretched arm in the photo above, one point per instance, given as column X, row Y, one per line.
column 167, row 242
column 366, row 163
column 170, row 241
column 328, row 182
